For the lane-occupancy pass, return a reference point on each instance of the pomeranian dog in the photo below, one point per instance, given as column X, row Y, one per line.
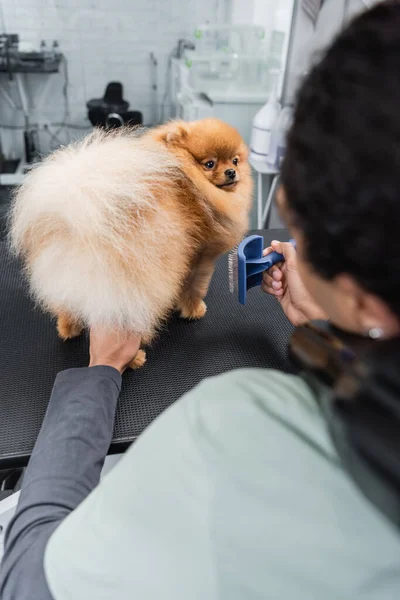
column 125, row 227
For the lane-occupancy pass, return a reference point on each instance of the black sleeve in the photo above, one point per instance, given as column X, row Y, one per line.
column 64, row 467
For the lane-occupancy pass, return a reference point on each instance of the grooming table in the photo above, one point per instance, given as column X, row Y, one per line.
column 231, row 336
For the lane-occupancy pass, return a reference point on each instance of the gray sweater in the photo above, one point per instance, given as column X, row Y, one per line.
column 64, row 467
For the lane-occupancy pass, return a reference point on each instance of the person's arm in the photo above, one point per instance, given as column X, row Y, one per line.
column 66, row 462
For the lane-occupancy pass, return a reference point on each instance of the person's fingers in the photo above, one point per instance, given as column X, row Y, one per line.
column 278, row 292
column 267, row 279
column 288, row 251
column 112, row 347
column 271, row 281
column 271, row 286
column 265, row 288
column 268, row 250
column 269, row 290
column 277, row 266
column 276, row 273
column 275, row 270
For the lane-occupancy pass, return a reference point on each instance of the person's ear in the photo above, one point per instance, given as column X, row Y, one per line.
column 176, row 134
column 370, row 312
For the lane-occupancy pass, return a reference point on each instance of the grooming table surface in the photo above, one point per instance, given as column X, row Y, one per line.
column 231, row 336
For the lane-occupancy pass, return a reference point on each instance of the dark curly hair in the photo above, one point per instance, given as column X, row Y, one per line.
column 341, row 173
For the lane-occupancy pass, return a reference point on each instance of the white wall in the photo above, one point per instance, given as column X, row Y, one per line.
column 103, row 40
column 242, row 12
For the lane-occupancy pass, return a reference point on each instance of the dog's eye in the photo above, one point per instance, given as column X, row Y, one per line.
column 209, row 164
column 235, row 161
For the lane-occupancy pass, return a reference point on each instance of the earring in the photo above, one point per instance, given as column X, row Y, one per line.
column 375, row 333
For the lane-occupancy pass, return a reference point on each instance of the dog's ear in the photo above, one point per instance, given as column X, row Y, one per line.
column 243, row 151
column 176, row 134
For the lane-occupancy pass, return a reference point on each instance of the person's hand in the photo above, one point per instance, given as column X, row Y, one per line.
column 112, row 348
column 283, row 281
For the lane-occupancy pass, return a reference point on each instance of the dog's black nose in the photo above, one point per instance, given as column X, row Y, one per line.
column 230, row 173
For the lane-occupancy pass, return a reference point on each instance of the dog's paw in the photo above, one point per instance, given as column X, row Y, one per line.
column 195, row 312
column 68, row 329
column 139, row 360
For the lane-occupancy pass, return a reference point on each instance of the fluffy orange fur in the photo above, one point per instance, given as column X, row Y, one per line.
column 125, row 227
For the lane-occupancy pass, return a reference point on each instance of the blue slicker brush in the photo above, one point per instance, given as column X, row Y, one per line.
column 246, row 265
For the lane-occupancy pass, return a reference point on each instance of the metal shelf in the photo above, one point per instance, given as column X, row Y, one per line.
column 17, row 177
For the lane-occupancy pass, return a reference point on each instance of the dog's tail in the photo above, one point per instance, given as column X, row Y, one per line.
column 83, row 222
column 90, row 187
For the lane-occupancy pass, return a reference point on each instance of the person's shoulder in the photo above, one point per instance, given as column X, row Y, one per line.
column 258, row 385
column 253, row 405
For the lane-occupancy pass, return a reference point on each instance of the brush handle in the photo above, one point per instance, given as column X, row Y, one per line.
column 250, row 264
column 259, row 265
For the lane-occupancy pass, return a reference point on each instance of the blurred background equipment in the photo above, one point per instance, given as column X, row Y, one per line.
column 17, row 64
column 112, row 110
column 229, row 74
column 68, row 65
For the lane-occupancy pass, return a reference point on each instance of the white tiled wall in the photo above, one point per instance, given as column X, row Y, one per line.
column 103, row 40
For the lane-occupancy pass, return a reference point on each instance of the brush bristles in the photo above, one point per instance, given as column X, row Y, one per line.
column 233, row 269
